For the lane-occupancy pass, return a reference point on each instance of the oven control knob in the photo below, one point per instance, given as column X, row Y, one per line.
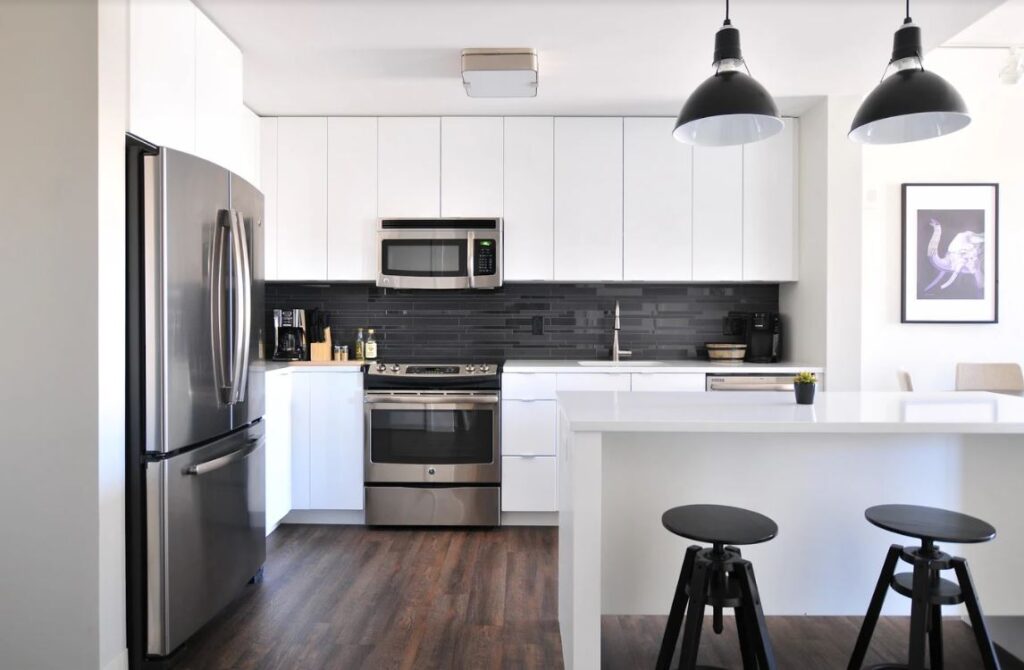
column 470, row 368
column 431, row 471
column 381, row 367
column 394, row 368
column 484, row 368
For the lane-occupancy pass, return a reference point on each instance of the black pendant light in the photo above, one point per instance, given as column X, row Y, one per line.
column 912, row 103
column 730, row 107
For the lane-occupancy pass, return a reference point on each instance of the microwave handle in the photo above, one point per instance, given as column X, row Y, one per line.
column 470, row 260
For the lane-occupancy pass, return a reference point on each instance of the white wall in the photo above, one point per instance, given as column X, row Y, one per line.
column 802, row 303
column 989, row 150
column 60, row 486
column 822, row 308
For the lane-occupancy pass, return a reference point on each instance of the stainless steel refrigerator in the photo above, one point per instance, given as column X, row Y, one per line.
column 195, row 391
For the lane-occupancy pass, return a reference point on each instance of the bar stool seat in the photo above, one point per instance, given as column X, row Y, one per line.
column 717, row 577
column 930, row 523
column 719, row 524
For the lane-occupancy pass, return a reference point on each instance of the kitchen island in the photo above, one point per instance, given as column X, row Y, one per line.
column 624, row 458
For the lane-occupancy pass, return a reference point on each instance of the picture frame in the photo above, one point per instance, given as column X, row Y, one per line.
column 950, row 253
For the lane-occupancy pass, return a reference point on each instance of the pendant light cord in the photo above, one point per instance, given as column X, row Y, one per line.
column 907, row 18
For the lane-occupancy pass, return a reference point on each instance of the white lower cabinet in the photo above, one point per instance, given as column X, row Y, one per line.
column 670, row 381
column 327, row 440
column 336, row 441
column 593, row 381
column 528, row 427
column 529, row 484
column 279, row 448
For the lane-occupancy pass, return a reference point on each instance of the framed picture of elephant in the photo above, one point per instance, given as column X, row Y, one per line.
column 950, row 253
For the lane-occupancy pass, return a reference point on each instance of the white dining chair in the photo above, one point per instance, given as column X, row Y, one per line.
column 904, row 380
column 989, row 377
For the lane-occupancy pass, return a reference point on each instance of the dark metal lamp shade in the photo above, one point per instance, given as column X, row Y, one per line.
column 908, row 106
column 728, row 108
column 912, row 103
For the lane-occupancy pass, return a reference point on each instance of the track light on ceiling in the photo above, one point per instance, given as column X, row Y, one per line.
column 911, row 103
column 730, row 107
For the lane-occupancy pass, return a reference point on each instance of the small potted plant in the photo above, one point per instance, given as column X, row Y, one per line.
column 804, row 384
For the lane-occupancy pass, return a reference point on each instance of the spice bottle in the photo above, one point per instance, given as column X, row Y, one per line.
column 360, row 348
column 371, row 346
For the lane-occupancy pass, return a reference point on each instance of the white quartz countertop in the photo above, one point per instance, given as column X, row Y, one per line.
column 760, row 412
column 308, row 366
column 697, row 367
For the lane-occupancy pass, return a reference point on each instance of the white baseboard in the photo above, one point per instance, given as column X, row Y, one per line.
column 119, row 662
column 529, row 518
column 325, row 516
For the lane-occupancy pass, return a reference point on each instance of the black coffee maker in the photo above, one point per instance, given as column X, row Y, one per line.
column 289, row 334
column 762, row 332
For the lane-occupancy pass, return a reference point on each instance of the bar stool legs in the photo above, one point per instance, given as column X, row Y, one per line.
column 675, row 615
column 928, row 593
column 988, row 650
column 719, row 577
column 867, row 629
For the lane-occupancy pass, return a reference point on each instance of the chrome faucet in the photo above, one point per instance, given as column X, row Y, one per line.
column 616, row 352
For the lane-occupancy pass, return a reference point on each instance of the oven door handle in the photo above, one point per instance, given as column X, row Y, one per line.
column 438, row 399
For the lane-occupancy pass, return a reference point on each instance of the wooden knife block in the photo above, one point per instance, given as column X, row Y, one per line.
column 320, row 352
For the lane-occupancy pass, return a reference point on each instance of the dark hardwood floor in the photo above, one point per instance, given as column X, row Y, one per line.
column 348, row 597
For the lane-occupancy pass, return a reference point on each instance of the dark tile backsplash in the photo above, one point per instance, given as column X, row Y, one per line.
column 539, row 321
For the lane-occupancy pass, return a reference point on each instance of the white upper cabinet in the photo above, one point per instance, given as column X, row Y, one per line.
column 769, row 207
column 162, row 72
column 588, row 199
column 529, row 198
column 218, row 96
column 471, row 166
column 352, row 199
column 268, row 184
column 302, row 198
column 249, row 148
column 409, row 167
column 657, row 202
column 718, row 213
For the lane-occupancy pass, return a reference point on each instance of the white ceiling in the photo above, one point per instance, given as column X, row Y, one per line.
column 393, row 57
column 1002, row 27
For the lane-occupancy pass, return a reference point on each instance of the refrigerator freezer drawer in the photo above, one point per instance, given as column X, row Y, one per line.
column 205, row 521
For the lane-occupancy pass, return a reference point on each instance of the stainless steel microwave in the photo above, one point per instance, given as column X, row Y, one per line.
column 439, row 253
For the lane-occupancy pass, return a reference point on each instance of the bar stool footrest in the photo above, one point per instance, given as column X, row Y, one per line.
column 944, row 592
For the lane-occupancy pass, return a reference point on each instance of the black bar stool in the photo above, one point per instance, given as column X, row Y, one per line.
column 925, row 587
column 720, row 577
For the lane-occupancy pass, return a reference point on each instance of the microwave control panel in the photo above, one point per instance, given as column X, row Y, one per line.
column 485, row 257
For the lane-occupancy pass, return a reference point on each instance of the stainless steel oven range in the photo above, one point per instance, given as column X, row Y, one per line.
column 433, row 445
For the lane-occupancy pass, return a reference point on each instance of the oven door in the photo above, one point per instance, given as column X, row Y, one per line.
column 432, row 438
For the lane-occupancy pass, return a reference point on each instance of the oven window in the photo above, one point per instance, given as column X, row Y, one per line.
column 424, row 258
column 435, row 437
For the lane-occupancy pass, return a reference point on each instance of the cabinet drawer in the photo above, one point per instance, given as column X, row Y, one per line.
column 593, row 381
column 529, row 484
column 528, row 428
column 668, row 382
column 527, row 386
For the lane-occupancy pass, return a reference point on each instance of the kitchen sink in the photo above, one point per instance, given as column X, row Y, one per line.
column 627, row 364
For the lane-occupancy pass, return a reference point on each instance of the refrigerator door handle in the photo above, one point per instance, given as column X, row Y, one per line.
column 238, row 320
column 244, row 325
column 222, row 461
column 218, row 291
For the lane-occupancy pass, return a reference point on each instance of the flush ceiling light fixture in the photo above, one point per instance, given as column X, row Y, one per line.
column 912, row 103
column 730, row 107
column 499, row 73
